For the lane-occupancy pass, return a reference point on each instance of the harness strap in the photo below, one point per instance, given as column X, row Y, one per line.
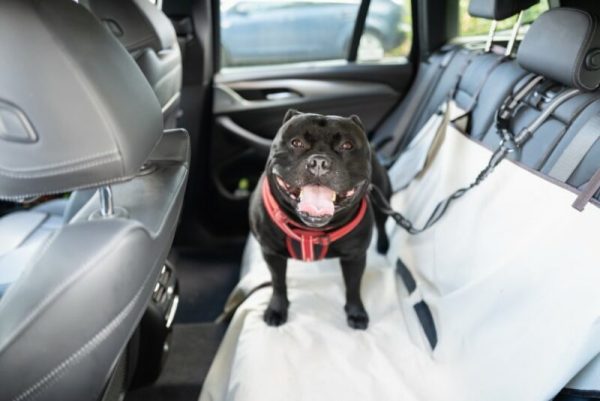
column 307, row 237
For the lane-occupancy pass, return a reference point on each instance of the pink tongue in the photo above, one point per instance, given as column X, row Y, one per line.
column 316, row 200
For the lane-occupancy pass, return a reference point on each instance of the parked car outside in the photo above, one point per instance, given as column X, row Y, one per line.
column 262, row 32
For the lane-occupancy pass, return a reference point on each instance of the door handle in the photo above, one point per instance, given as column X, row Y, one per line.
column 252, row 139
column 283, row 95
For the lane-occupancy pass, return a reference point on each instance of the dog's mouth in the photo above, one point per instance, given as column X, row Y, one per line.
column 316, row 204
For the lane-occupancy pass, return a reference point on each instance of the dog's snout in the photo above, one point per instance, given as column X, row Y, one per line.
column 318, row 165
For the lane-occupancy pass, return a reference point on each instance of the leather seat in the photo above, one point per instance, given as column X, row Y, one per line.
column 148, row 35
column 453, row 67
column 150, row 38
column 467, row 70
column 83, row 286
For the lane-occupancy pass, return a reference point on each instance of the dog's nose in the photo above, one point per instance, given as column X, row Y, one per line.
column 318, row 165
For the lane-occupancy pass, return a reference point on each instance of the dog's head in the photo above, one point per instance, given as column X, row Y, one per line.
column 320, row 166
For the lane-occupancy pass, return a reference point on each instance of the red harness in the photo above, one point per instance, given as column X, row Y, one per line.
column 313, row 243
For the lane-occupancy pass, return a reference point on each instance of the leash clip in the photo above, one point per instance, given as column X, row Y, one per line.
column 507, row 143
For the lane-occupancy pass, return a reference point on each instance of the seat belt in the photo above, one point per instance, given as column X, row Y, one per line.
column 482, row 82
column 575, row 152
column 416, row 158
column 459, row 120
column 509, row 143
column 422, row 95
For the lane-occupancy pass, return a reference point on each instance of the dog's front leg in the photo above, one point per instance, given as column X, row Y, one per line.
column 276, row 312
column 352, row 270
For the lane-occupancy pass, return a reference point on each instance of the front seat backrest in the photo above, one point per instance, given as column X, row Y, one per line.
column 84, row 118
column 148, row 34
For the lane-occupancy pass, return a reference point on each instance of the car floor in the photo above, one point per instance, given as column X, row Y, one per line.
column 205, row 282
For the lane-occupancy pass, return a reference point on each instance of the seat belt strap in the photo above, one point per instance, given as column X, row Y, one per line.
column 575, row 152
column 588, row 192
column 475, row 96
column 402, row 136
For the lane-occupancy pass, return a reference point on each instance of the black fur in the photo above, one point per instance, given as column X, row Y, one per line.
column 349, row 168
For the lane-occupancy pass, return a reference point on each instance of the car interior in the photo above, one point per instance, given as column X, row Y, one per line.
column 132, row 133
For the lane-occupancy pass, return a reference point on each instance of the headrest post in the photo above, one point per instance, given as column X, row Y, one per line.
column 490, row 38
column 514, row 34
column 106, row 201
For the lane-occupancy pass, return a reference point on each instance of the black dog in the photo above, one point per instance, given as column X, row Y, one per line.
column 312, row 202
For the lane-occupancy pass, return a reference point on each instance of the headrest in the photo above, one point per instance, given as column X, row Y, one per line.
column 75, row 110
column 563, row 45
column 498, row 9
column 138, row 24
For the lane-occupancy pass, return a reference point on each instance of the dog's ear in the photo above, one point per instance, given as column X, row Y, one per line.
column 289, row 114
column 356, row 120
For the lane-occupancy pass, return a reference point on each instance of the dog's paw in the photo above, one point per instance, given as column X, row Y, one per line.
column 357, row 317
column 383, row 244
column 274, row 317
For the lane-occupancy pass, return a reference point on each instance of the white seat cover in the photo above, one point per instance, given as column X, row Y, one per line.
column 510, row 275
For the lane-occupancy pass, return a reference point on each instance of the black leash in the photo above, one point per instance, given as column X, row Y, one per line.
column 379, row 199
column 508, row 144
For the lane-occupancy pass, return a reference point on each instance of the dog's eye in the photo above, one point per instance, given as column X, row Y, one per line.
column 347, row 145
column 297, row 143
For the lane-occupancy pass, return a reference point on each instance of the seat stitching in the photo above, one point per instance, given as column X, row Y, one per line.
column 47, row 242
column 591, row 29
column 55, row 374
column 68, row 189
column 59, row 289
column 93, row 157
column 60, row 171
column 87, row 87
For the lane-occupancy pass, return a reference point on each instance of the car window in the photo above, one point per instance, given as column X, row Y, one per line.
column 387, row 36
column 274, row 32
column 471, row 26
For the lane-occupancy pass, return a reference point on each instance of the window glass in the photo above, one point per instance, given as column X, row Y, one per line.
column 388, row 32
column 269, row 32
column 274, row 32
column 471, row 26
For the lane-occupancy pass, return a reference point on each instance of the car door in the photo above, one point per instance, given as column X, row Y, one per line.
column 299, row 54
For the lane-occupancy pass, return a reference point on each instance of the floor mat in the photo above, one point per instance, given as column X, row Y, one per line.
column 192, row 350
column 205, row 282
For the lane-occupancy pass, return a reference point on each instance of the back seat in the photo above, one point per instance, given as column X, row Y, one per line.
column 438, row 76
column 550, row 141
column 470, row 71
column 538, row 155
column 543, row 151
